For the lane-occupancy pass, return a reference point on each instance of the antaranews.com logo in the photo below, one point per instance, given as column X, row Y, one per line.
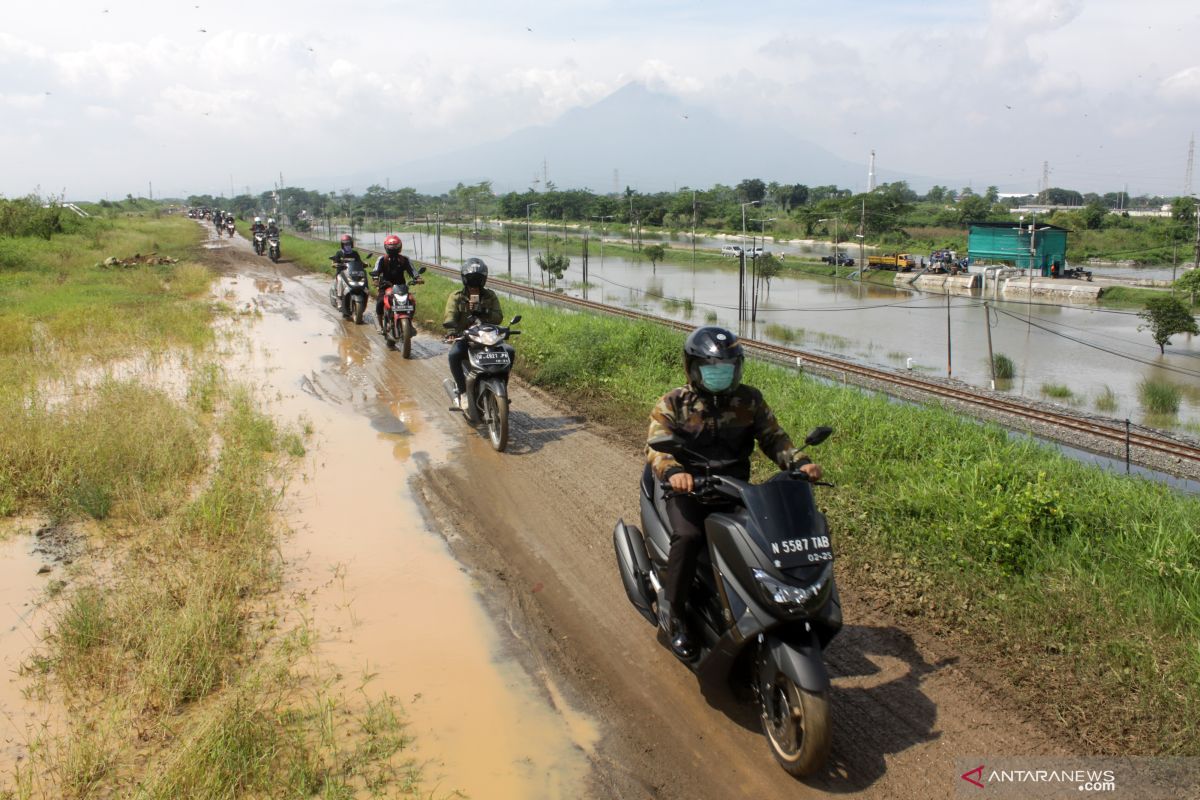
column 1116, row 778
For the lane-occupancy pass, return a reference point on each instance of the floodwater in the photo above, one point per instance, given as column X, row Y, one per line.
column 384, row 594
column 1098, row 355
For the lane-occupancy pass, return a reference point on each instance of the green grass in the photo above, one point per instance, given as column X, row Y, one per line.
column 1003, row 367
column 1058, row 391
column 1107, row 400
column 167, row 654
column 1136, row 297
column 993, row 535
column 1159, row 397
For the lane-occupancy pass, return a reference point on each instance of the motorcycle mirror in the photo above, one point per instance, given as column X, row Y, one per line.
column 421, row 271
column 818, row 435
column 515, row 320
column 671, row 445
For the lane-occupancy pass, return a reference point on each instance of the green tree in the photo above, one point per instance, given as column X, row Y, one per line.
column 555, row 264
column 972, row 208
column 992, row 195
column 655, row 253
column 1189, row 282
column 1165, row 317
column 751, row 189
column 1183, row 209
column 1093, row 215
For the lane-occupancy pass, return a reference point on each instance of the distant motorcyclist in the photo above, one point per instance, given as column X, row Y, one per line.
column 721, row 418
column 345, row 256
column 272, row 227
column 473, row 300
column 391, row 268
column 257, row 227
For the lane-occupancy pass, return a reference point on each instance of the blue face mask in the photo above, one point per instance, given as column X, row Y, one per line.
column 717, row 377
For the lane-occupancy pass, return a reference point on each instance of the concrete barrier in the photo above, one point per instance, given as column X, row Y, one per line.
column 1062, row 288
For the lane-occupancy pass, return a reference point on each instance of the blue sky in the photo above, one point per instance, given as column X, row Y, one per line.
column 103, row 97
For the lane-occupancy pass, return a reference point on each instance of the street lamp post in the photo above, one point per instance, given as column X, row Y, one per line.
column 754, row 267
column 528, row 248
column 602, row 217
column 742, row 265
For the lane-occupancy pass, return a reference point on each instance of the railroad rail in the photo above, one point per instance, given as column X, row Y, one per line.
column 1113, row 432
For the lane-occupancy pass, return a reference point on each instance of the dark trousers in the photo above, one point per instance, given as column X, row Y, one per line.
column 687, row 516
column 458, row 351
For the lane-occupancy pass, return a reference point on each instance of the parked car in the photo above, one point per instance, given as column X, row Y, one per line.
column 843, row 260
column 731, row 250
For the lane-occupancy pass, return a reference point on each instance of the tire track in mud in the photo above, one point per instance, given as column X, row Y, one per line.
column 534, row 525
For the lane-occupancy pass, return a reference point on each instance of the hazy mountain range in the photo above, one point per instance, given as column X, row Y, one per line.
column 654, row 142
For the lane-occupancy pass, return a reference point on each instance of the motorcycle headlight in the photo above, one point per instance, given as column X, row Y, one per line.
column 790, row 599
column 490, row 338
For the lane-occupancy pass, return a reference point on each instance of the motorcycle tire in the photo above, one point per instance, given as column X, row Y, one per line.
column 274, row 257
column 495, row 416
column 357, row 305
column 797, row 726
column 406, row 334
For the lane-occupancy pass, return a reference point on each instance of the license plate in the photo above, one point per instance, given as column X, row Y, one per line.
column 804, row 550
column 405, row 308
column 493, row 357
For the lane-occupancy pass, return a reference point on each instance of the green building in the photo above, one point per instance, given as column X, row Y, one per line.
column 1019, row 244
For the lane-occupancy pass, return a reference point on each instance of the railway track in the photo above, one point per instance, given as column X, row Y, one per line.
column 1113, row 432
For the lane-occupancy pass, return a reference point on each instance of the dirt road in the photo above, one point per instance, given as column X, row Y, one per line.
column 533, row 525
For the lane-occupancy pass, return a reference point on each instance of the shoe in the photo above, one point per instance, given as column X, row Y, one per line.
column 680, row 641
column 462, row 402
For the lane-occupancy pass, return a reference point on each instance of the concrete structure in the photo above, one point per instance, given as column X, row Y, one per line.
column 1023, row 245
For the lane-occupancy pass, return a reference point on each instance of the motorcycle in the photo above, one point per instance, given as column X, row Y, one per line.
column 763, row 605
column 348, row 292
column 273, row 247
column 229, row 227
column 398, row 309
column 260, row 243
column 487, row 366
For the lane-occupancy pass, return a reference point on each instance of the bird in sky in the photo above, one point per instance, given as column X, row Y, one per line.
column 202, row 30
column 529, row 29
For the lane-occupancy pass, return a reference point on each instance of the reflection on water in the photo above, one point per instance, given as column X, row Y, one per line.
column 1093, row 352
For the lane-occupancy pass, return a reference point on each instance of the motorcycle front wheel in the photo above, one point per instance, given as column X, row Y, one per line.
column 357, row 304
column 495, row 414
column 406, row 333
column 797, row 726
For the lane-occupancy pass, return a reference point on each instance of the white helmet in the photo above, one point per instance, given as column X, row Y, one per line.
column 270, row 220
column 257, row 220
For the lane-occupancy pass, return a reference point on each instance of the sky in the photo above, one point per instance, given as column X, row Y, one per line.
column 104, row 98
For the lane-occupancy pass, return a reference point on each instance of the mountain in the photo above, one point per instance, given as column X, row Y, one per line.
column 655, row 141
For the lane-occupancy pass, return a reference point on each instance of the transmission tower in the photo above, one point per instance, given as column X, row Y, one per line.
column 616, row 182
column 1187, row 176
column 871, row 174
column 1045, row 180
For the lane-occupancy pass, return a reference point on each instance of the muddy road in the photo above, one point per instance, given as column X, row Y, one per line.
column 532, row 529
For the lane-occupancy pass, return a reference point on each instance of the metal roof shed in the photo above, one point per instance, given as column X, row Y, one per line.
column 1015, row 242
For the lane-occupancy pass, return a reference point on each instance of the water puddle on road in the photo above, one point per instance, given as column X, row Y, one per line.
column 385, row 595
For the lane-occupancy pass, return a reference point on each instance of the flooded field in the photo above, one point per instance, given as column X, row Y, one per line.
column 1086, row 357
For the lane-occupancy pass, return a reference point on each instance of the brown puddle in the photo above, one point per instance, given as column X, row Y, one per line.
column 22, row 718
column 386, row 596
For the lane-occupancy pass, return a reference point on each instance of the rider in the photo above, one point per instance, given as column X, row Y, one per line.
column 272, row 227
column 258, row 226
column 390, row 268
column 473, row 300
column 346, row 254
column 719, row 417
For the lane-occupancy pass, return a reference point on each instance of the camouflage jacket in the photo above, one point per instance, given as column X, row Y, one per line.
column 458, row 309
column 720, row 427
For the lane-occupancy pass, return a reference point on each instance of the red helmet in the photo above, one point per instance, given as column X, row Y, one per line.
column 347, row 239
column 392, row 245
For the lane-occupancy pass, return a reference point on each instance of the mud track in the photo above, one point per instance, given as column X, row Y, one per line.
column 534, row 526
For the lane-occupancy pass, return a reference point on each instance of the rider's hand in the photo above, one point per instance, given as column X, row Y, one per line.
column 682, row 482
column 813, row 471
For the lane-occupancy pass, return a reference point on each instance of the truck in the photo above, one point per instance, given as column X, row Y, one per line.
column 900, row 262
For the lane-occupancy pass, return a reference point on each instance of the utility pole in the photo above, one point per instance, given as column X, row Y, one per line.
column 987, row 323
column 693, row 245
column 949, row 370
column 862, row 233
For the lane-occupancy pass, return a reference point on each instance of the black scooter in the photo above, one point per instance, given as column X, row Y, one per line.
column 763, row 604
column 348, row 292
column 273, row 247
column 486, row 368
column 260, row 243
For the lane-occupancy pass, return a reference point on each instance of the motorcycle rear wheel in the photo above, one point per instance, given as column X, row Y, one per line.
column 495, row 414
column 797, row 726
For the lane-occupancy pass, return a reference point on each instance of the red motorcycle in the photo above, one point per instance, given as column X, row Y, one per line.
column 398, row 309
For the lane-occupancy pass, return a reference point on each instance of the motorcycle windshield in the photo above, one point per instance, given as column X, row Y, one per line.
column 784, row 521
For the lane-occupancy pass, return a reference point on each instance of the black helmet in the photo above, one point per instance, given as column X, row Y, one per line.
column 715, row 347
column 474, row 273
